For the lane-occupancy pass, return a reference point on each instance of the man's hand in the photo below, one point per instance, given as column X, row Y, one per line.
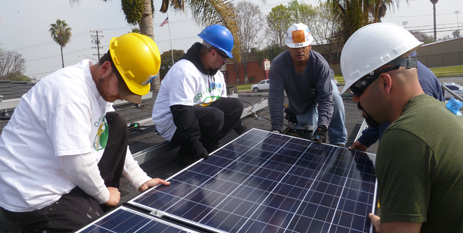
column 151, row 183
column 358, row 146
column 114, row 197
column 320, row 134
column 375, row 221
column 276, row 131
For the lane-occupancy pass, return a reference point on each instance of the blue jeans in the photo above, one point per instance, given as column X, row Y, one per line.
column 337, row 131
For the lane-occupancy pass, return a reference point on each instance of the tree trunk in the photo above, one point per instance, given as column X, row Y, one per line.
column 237, row 73
column 62, row 58
column 245, row 67
column 146, row 28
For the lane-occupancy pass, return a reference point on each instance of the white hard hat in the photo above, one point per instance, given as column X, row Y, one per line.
column 372, row 47
column 298, row 35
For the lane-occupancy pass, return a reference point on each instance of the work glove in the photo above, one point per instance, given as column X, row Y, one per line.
column 290, row 116
column 320, row 134
column 200, row 152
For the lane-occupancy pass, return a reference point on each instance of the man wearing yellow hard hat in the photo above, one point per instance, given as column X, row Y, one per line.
column 64, row 149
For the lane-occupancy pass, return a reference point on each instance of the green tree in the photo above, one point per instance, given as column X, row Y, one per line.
column 278, row 22
column 166, row 60
column 324, row 26
column 270, row 52
column 61, row 34
column 301, row 12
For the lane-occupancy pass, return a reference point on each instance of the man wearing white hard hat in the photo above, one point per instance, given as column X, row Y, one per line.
column 419, row 157
column 313, row 96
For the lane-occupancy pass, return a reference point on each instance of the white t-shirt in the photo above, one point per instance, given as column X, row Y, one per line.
column 184, row 84
column 62, row 115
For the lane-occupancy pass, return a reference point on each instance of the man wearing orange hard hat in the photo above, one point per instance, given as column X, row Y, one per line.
column 64, row 149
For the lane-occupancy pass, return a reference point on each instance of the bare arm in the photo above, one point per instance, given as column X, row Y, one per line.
column 394, row 227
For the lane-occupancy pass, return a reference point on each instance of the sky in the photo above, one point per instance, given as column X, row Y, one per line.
column 25, row 24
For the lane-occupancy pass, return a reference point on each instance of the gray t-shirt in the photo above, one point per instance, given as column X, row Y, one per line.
column 312, row 86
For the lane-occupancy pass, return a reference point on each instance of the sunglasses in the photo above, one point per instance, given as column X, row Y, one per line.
column 359, row 87
column 224, row 56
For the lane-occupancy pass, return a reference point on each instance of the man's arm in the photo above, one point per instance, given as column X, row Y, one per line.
column 394, row 227
column 369, row 137
column 139, row 179
column 83, row 171
column 188, row 128
column 276, row 97
column 325, row 95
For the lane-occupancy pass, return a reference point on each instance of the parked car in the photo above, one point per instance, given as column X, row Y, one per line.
column 262, row 85
column 454, row 87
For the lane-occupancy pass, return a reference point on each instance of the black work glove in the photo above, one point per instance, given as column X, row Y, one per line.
column 320, row 134
column 200, row 152
column 290, row 116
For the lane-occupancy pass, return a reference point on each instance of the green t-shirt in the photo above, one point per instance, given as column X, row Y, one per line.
column 419, row 166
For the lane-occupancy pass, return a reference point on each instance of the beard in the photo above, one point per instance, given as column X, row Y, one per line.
column 370, row 121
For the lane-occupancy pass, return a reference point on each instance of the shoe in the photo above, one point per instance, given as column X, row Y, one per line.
column 187, row 157
column 241, row 129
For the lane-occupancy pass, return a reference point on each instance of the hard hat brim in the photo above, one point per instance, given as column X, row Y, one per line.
column 125, row 92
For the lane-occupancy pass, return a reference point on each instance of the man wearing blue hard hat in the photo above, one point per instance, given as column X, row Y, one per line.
column 192, row 109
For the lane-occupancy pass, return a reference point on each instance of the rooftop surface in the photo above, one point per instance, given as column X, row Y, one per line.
column 164, row 165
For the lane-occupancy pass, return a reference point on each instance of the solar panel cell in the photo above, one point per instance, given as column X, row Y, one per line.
column 265, row 182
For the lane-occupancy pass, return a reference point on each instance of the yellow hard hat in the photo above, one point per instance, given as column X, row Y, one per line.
column 137, row 59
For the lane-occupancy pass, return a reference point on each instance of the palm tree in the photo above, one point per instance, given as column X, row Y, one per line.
column 61, row 34
column 434, row 10
column 358, row 13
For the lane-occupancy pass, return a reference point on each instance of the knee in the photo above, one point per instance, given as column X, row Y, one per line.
column 215, row 118
column 236, row 104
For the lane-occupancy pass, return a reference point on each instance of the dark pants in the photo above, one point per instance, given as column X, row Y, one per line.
column 77, row 209
column 215, row 121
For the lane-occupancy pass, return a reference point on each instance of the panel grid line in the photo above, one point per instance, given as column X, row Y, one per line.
column 266, row 182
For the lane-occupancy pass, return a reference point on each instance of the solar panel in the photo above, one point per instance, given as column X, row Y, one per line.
column 123, row 219
column 266, row 182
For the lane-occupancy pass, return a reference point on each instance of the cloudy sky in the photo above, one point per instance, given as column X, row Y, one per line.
column 24, row 26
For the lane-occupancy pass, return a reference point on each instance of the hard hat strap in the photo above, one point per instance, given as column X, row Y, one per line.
column 408, row 62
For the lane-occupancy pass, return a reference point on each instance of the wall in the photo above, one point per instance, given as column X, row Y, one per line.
column 254, row 68
column 442, row 53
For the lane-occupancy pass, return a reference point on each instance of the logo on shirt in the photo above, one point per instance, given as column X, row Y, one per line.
column 101, row 137
column 208, row 96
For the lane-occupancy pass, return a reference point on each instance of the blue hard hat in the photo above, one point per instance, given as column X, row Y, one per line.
column 219, row 37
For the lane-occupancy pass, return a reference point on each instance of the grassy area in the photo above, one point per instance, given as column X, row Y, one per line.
column 440, row 72
column 448, row 71
column 244, row 87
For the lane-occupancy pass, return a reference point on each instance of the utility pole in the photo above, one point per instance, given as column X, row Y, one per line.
column 458, row 23
column 96, row 39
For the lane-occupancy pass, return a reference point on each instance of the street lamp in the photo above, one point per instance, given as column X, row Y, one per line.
column 458, row 26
